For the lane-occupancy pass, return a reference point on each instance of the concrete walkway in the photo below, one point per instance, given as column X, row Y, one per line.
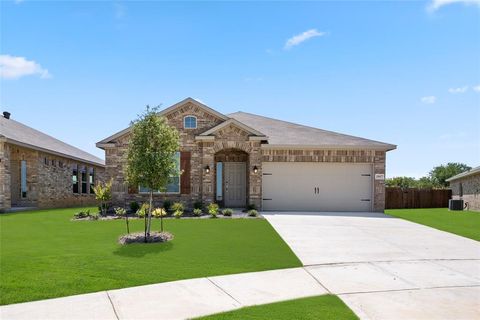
column 384, row 267
column 174, row 300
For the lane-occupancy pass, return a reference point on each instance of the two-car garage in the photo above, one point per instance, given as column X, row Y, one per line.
column 317, row 186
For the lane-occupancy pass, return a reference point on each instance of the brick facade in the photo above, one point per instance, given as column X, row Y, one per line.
column 229, row 143
column 468, row 189
column 48, row 179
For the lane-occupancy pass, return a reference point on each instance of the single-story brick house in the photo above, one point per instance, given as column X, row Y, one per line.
column 241, row 158
column 37, row 170
column 466, row 186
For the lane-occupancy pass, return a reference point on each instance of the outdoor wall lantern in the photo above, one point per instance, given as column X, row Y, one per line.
column 255, row 169
column 207, row 169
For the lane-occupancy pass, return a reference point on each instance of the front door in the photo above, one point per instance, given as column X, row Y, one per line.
column 235, row 184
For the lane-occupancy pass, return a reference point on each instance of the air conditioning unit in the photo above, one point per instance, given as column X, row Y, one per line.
column 455, row 205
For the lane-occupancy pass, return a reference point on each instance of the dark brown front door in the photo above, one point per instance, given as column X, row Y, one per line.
column 235, row 184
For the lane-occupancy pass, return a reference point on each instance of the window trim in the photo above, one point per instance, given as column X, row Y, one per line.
column 196, row 122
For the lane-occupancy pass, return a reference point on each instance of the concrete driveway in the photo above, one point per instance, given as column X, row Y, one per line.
column 385, row 267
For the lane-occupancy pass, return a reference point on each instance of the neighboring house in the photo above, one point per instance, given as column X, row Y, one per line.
column 242, row 159
column 37, row 170
column 466, row 186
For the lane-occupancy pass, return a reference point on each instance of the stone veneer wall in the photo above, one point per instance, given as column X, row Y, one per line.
column 471, row 191
column 376, row 158
column 4, row 177
column 48, row 185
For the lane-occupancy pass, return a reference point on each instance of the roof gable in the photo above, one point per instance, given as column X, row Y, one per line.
column 166, row 113
column 236, row 123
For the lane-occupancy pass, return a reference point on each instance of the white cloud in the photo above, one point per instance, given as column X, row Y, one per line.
column 476, row 88
column 299, row 38
column 437, row 4
column 428, row 99
column 12, row 67
column 458, row 90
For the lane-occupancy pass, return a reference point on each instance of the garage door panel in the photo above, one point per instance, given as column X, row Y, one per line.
column 317, row 186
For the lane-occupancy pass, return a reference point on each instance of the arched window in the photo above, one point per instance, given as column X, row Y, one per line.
column 190, row 122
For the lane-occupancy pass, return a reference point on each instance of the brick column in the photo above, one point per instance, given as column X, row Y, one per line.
column 5, row 192
column 255, row 179
column 208, row 159
column 379, row 185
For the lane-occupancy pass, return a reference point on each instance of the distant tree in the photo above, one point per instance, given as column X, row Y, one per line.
column 425, row 183
column 441, row 173
column 151, row 156
column 401, row 182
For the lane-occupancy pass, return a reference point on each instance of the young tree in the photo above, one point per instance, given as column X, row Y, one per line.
column 441, row 173
column 151, row 156
column 103, row 193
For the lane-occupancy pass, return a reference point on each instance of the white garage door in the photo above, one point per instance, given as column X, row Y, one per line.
column 308, row 186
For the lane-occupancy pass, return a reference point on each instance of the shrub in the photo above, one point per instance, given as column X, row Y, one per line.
column 159, row 212
column 143, row 211
column 178, row 214
column 134, row 206
column 103, row 193
column 197, row 212
column 213, row 209
column 178, row 206
column 167, row 205
column 198, row 205
column 227, row 212
column 82, row 214
column 120, row 211
column 251, row 206
column 252, row 213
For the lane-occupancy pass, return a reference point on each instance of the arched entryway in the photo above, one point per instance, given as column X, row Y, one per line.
column 231, row 178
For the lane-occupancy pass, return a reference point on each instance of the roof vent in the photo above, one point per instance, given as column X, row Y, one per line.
column 6, row 114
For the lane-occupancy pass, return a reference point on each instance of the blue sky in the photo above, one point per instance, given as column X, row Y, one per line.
column 406, row 73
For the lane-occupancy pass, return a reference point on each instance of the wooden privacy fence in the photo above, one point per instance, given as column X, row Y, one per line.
column 398, row 198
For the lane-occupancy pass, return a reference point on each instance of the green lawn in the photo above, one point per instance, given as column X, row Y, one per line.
column 316, row 308
column 44, row 255
column 463, row 223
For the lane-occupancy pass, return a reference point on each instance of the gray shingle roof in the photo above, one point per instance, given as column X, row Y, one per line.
column 18, row 133
column 465, row 174
column 284, row 133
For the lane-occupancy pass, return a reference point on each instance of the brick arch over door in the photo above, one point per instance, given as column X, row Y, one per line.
column 221, row 145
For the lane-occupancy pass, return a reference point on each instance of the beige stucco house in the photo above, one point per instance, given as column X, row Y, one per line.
column 37, row 170
column 241, row 159
column 466, row 186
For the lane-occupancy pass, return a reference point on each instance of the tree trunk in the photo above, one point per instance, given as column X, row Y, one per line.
column 150, row 214
column 161, row 217
column 126, row 221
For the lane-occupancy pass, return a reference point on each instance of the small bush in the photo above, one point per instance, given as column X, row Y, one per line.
column 198, row 205
column 251, row 206
column 227, row 212
column 134, row 206
column 159, row 212
column 120, row 211
column 177, row 206
column 252, row 213
column 197, row 212
column 143, row 211
column 167, row 205
column 213, row 209
column 178, row 214
column 82, row 214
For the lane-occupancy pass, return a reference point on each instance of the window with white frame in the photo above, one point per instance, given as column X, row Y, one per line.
column 190, row 122
column 174, row 184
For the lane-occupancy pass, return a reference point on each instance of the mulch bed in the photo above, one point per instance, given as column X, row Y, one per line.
column 139, row 237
